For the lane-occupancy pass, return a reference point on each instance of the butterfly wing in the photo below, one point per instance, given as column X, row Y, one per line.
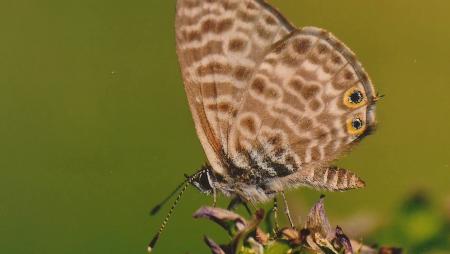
column 219, row 45
column 308, row 102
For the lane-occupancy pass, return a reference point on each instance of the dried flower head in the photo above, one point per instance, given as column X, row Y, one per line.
column 316, row 237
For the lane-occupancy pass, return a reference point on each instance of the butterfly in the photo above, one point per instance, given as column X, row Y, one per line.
column 273, row 105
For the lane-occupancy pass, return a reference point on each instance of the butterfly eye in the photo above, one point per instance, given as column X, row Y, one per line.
column 354, row 98
column 355, row 126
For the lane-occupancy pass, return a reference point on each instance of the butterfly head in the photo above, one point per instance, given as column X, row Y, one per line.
column 204, row 180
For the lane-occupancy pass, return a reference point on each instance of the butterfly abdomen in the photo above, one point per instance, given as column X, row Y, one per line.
column 335, row 179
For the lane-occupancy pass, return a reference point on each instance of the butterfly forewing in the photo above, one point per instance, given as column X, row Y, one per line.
column 220, row 44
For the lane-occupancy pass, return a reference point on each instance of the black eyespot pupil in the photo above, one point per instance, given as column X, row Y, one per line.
column 357, row 123
column 356, row 97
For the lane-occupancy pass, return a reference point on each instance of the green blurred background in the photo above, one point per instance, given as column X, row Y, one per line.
column 95, row 127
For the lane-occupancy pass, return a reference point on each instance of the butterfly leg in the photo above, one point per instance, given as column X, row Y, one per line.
column 275, row 215
column 286, row 210
column 214, row 192
column 245, row 204
column 233, row 204
column 238, row 201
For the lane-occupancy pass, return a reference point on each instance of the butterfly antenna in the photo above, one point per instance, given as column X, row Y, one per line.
column 158, row 207
column 183, row 187
column 378, row 97
column 166, row 219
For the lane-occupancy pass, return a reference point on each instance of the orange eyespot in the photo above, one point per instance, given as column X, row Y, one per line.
column 354, row 98
column 356, row 126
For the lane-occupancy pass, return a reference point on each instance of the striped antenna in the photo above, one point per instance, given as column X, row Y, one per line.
column 157, row 207
column 185, row 185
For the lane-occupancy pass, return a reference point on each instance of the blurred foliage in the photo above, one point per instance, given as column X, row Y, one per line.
column 419, row 225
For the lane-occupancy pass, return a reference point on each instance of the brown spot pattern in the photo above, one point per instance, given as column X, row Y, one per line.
column 275, row 140
column 213, row 26
column 336, row 59
column 348, row 75
column 224, row 107
column 209, row 90
column 229, row 5
column 320, row 134
column 302, row 46
column 313, row 58
column 270, row 21
column 246, row 17
column 242, row 73
column 192, row 36
column 263, row 33
column 322, row 49
column 297, row 85
column 289, row 60
column 258, row 85
column 305, row 123
column 249, row 124
column 314, row 104
column 213, row 68
column 237, row 45
column 309, row 91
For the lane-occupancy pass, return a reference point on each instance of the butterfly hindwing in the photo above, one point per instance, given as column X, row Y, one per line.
column 307, row 103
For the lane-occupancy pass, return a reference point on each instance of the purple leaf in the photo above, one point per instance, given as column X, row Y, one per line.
column 221, row 217
column 215, row 248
